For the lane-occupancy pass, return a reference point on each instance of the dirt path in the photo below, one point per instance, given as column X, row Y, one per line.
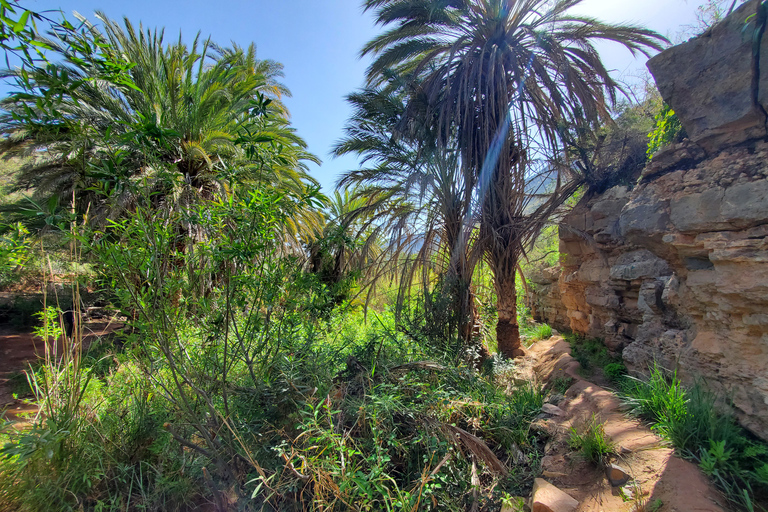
column 19, row 348
column 16, row 350
column 660, row 481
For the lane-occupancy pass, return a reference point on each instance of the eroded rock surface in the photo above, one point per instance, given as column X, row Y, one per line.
column 675, row 271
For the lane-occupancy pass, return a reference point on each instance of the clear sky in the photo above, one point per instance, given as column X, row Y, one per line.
column 318, row 42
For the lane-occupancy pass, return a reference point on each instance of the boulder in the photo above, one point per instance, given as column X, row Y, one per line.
column 708, row 82
column 548, row 498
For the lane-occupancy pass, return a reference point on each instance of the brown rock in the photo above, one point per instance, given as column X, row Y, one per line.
column 708, row 82
column 617, row 475
column 545, row 427
column 548, row 498
column 552, row 409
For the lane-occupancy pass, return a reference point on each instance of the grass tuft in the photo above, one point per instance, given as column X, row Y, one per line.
column 690, row 419
column 592, row 442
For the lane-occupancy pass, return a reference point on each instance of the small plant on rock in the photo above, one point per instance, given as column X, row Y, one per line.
column 542, row 332
column 593, row 443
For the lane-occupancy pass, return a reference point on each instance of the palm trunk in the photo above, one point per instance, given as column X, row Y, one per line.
column 507, row 330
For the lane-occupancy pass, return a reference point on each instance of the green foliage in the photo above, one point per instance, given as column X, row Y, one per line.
column 543, row 332
column 545, row 251
column 15, row 249
column 690, row 419
column 245, row 376
column 196, row 120
column 668, row 130
column 514, row 504
column 716, row 458
column 592, row 354
column 394, row 446
column 434, row 321
column 615, row 371
column 593, row 444
column 51, row 327
column 236, row 353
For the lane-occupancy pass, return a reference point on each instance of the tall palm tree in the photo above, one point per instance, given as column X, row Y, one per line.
column 210, row 116
column 504, row 79
column 417, row 192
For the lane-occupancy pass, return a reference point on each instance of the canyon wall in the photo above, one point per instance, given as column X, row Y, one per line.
column 675, row 269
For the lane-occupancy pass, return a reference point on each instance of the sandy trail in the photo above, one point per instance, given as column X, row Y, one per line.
column 660, row 481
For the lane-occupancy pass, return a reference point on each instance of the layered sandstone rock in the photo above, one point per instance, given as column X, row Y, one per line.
column 675, row 270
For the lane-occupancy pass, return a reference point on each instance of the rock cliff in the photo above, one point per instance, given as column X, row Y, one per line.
column 676, row 269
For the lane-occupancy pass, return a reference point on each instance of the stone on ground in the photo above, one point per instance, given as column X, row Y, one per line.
column 552, row 409
column 548, row 498
column 617, row 475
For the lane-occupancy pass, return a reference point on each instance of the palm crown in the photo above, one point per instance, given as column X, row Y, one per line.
column 211, row 115
column 504, row 82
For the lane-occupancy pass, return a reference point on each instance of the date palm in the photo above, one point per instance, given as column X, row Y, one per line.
column 194, row 119
column 504, row 79
column 414, row 192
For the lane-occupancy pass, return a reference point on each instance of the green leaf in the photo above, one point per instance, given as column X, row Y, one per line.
column 19, row 26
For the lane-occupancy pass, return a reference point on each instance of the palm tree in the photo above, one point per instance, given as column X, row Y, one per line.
column 348, row 246
column 211, row 117
column 504, row 79
column 417, row 193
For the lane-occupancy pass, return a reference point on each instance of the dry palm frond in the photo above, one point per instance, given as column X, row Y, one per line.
column 468, row 443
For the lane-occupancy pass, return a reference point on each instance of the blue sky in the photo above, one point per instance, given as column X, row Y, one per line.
column 318, row 42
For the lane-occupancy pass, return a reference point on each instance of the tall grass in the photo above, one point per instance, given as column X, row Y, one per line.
column 690, row 419
column 592, row 442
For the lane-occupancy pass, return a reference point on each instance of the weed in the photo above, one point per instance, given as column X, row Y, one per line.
column 615, row 371
column 561, row 383
column 593, row 443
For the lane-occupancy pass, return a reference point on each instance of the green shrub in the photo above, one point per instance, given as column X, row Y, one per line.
column 615, row 371
column 593, row 444
column 668, row 129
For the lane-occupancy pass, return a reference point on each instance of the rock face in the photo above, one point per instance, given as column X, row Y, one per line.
column 675, row 270
column 708, row 82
